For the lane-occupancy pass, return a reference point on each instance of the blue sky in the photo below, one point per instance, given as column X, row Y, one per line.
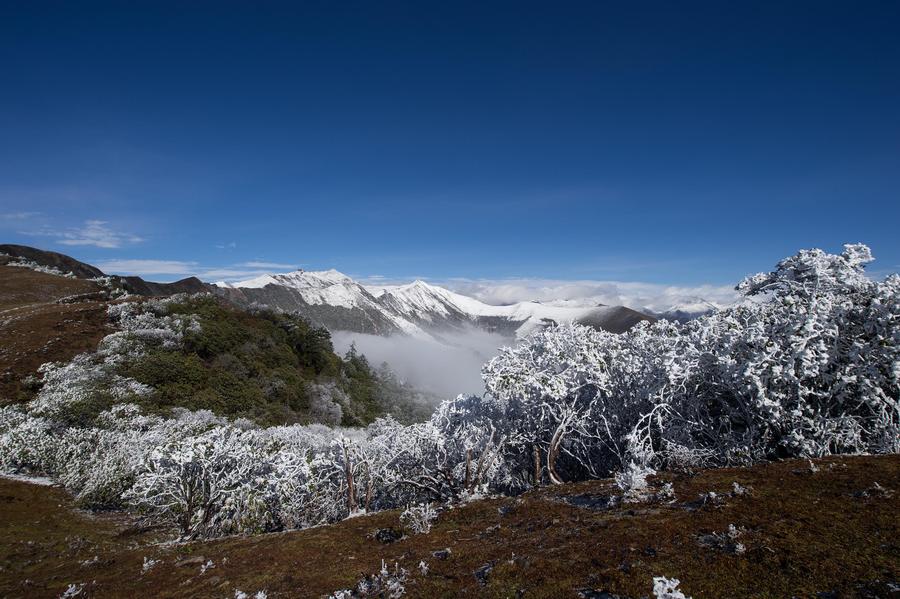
column 670, row 143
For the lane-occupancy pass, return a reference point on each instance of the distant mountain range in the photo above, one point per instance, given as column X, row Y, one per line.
column 418, row 309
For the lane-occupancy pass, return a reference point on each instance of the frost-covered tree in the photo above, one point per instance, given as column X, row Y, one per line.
column 570, row 395
column 807, row 369
column 214, row 482
column 806, row 366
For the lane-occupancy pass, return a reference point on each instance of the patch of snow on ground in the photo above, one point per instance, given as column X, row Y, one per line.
column 34, row 480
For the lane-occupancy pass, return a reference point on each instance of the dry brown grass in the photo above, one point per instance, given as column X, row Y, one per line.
column 34, row 328
column 806, row 533
column 23, row 286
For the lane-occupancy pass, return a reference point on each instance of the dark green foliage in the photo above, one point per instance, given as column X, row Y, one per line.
column 82, row 413
column 359, row 382
column 256, row 364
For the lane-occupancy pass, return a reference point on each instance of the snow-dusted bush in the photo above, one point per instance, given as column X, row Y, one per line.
column 633, row 482
column 386, row 583
column 667, row 588
column 148, row 565
column 113, row 287
column 73, row 590
column 209, row 484
column 75, row 392
column 27, row 444
column 570, row 396
column 418, row 519
column 807, row 366
column 31, row 264
column 807, row 370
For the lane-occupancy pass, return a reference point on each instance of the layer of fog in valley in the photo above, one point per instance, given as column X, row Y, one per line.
column 447, row 367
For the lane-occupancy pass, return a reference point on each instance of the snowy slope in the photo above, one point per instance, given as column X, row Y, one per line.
column 419, row 300
column 327, row 289
column 416, row 309
column 323, row 287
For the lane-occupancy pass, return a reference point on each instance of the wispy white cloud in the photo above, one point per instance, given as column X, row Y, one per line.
column 273, row 265
column 96, row 233
column 637, row 295
column 18, row 216
column 180, row 268
column 227, row 246
column 147, row 267
column 231, row 273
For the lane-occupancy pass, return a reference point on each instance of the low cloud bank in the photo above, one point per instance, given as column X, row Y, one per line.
column 639, row 296
column 447, row 368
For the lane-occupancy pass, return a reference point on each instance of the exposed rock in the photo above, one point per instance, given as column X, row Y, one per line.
column 482, row 573
column 387, row 535
column 441, row 553
column 592, row 501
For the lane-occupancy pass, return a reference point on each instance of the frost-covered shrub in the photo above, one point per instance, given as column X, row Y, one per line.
column 148, row 565
column 727, row 541
column 679, row 457
column 31, row 264
column 27, row 444
column 807, row 370
column 806, row 366
column 418, row 519
column 387, row 584
column 633, row 482
column 667, row 588
column 209, row 484
column 73, row 590
column 570, row 396
column 97, row 465
column 76, row 392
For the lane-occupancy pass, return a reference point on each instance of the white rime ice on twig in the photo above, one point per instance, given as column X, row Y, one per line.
column 418, row 518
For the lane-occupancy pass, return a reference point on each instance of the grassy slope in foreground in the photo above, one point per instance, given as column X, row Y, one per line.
column 806, row 532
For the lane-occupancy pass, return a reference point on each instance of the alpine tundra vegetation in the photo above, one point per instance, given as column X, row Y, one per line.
column 807, row 365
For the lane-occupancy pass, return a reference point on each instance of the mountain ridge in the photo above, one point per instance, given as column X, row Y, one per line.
column 336, row 301
column 417, row 309
column 66, row 265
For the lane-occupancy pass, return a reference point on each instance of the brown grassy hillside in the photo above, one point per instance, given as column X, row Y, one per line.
column 826, row 533
column 37, row 324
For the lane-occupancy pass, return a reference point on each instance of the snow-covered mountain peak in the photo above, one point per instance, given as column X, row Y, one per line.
column 417, row 299
column 299, row 279
column 316, row 287
column 314, row 278
column 417, row 308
